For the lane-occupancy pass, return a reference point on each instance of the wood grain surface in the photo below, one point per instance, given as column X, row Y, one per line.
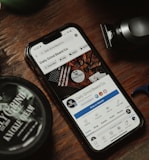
column 131, row 69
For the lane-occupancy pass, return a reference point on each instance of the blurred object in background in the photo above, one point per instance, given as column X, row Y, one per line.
column 23, row 6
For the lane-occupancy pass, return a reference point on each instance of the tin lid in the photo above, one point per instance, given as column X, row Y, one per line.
column 25, row 118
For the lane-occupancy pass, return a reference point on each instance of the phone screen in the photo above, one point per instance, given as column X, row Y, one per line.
column 86, row 88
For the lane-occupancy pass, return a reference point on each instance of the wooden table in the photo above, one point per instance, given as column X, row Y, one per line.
column 17, row 30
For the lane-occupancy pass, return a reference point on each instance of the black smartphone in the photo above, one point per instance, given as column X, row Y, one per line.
column 95, row 103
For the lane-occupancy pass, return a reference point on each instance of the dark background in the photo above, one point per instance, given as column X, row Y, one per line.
column 131, row 69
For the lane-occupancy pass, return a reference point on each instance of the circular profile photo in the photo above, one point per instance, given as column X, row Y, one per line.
column 77, row 76
column 71, row 103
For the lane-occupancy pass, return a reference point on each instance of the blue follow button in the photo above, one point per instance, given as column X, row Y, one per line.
column 96, row 104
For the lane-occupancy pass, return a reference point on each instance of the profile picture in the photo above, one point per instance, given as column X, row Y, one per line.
column 71, row 103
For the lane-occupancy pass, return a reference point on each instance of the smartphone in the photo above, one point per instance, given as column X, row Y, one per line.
column 86, row 90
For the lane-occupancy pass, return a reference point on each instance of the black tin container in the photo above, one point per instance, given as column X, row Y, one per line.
column 25, row 118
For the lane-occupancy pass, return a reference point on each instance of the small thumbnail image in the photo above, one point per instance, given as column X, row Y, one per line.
column 76, row 74
column 71, row 103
